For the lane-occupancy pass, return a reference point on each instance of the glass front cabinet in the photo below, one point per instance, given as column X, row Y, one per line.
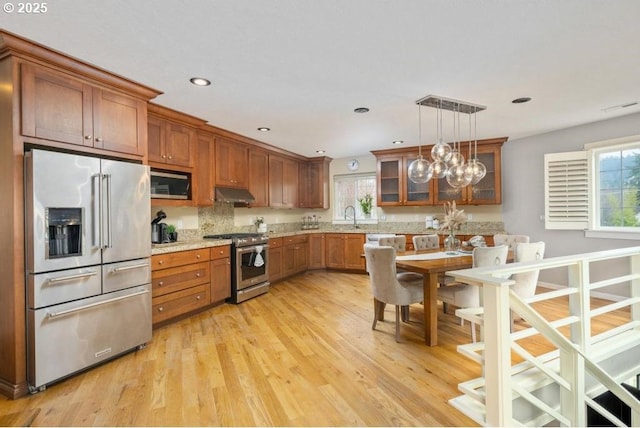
column 395, row 188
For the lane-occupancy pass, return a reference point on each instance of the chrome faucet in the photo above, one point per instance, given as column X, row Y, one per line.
column 354, row 214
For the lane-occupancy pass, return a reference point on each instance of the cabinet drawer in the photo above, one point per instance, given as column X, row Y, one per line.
column 220, row 252
column 275, row 243
column 178, row 278
column 180, row 302
column 179, row 258
column 296, row 239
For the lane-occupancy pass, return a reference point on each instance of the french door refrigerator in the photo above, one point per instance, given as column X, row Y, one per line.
column 87, row 257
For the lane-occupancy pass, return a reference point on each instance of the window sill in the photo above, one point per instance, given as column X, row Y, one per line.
column 611, row 234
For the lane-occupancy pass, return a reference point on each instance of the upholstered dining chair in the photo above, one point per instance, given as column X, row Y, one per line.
column 426, row 242
column 398, row 242
column 390, row 287
column 467, row 295
column 509, row 240
column 526, row 282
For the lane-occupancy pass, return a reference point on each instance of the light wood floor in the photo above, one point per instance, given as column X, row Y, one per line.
column 302, row 355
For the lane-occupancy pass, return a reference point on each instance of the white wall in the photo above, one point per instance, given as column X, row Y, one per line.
column 523, row 187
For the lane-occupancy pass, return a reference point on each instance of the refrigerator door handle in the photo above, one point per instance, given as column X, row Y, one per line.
column 96, row 215
column 107, row 210
column 123, row 268
column 71, row 277
column 91, row 305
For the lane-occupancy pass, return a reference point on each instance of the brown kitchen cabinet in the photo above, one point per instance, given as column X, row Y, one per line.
column 274, row 259
column 295, row 253
column 232, row 158
column 59, row 107
column 314, row 183
column 172, row 138
column 220, row 286
column 317, row 248
column 344, row 251
column 283, row 182
column 486, row 192
column 395, row 189
column 259, row 177
column 203, row 177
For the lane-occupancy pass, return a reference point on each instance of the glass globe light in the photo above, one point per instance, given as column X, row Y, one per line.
column 458, row 176
column 456, row 159
column 478, row 171
column 439, row 169
column 441, row 151
column 420, row 170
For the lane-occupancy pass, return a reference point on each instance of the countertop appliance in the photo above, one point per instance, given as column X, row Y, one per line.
column 159, row 233
column 249, row 264
column 88, row 270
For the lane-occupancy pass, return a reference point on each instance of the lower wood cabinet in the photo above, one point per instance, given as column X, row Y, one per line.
column 295, row 252
column 186, row 281
column 274, row 259
column 344, row 251
column 317, row 257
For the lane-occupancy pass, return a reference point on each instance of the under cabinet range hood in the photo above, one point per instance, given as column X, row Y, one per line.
column 233, row 195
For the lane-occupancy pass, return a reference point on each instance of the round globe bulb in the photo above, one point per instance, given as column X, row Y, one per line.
column 455, row 159
column 479, row 171
column 420, row 170
column 439, row 169
column 441, row 151
column 457, row 176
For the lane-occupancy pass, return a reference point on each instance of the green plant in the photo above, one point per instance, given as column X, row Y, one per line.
column 171, row 228
column 366, row 203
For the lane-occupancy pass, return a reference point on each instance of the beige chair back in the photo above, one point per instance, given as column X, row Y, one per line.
column 381, row 265
column 509, row 240
column 426, row 242
column 398, row 242
column 526, row 282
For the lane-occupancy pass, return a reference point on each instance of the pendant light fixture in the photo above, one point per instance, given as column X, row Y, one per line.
column 420, row 170
column 478, row 169
column 448, row 161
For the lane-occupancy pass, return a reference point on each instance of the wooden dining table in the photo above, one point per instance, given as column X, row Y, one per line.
column 431, row 269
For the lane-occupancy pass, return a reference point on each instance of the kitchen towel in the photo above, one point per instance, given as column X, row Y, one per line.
column 259, row 260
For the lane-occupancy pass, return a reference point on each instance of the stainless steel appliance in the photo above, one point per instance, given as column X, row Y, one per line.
column 87, row 256
column 249, row 265
column 159, row 232
column 169, row 185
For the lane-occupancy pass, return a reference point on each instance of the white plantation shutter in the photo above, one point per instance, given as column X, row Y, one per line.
column 566, row 190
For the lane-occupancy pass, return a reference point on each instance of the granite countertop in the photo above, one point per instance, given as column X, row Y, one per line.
column 194, row 244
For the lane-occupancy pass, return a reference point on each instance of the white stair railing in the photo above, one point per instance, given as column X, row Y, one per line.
column 573, row 372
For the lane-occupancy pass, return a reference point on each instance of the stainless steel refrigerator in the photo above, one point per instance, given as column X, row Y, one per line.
column 88, row 269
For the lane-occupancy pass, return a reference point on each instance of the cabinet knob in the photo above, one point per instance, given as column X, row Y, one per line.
column 198, row 275
column 161, row 283
column 170, row 157
column 198, row 297
column 160, row 262
column 88, row 137
column 99, row 140
column 164, row 156
column 160, row 309
column 197, row 256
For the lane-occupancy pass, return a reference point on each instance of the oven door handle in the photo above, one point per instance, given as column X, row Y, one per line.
column 251, row 248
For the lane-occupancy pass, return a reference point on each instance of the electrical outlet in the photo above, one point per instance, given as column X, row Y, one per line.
column 383, row 217
column 469, row 217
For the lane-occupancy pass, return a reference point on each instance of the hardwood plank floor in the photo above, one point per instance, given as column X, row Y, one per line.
column 302, row 355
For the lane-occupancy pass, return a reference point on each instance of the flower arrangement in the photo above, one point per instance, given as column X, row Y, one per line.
column 366, row 203
column 453, row 217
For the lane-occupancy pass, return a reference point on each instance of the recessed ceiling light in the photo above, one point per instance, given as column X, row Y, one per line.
column 398, row 142
column 320, row 152
column 264, row 129
column 200, row 81
column 361, row 110
column 521, row 100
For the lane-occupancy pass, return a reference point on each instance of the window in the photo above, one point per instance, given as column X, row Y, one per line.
column 347, row 190
column 616, row 187
column 597, row 189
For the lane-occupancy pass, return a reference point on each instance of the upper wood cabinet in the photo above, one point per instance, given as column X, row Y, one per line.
column 203, row 177
column 283, row 182
column 231, row 163
column 171, row 143
column 395, row 189
column 259, row 177
column 393, row 186
column 62, row 108
column 314, row 183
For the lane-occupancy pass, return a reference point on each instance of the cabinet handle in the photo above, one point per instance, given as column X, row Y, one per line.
column 198, row 275
column 198, row 297
column 164, row 156
column 160, row 309
column 197, row 256
column 160, row 262
column 170, row 157
column 99, row 140
column 88, row 137
column 161, row 283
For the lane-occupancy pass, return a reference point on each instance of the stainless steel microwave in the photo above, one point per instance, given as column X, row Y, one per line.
column 170, row 185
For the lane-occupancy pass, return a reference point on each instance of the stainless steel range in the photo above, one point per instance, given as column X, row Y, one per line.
column 249, row 265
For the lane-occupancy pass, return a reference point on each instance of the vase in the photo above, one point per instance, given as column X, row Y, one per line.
column 451, row 243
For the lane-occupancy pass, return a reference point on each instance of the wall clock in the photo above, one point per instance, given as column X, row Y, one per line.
column 353, row 165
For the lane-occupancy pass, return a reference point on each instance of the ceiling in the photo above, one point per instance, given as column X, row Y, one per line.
column 300, row 67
